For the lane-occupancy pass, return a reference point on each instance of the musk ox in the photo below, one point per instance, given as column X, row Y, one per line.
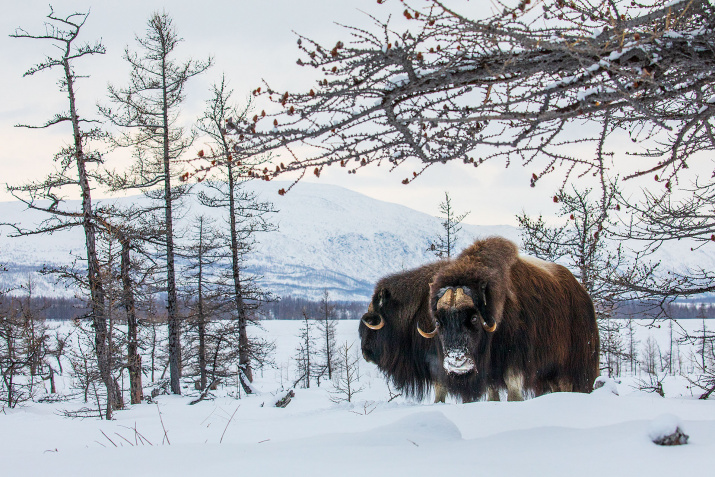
column 505, row 321
column 389, row 336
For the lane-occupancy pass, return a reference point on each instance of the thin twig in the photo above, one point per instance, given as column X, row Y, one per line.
column 227, row 424
column 166, row 436
column 110, row 440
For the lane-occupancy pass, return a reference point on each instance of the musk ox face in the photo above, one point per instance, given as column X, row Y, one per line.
column 463, row 327
column 375, row 329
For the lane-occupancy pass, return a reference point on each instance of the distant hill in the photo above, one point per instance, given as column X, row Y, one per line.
column 329, row 238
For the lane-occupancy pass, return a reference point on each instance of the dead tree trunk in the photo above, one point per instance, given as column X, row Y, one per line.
column 134, row 363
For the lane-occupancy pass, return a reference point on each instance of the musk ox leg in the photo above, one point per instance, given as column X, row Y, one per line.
column 514, row 385
column 565, row 385
column 493, row 393
column 440, row 392
column 561, row 385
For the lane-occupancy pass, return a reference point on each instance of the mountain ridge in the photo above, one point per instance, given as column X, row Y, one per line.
column 329, row 238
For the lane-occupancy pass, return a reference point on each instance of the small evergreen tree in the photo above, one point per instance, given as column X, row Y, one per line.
column 444, row 246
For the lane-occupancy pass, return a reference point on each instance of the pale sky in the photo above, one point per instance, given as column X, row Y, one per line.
column 250, row 41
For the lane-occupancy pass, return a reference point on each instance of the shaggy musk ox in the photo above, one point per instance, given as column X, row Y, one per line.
column 389, row 337
column 515, row 322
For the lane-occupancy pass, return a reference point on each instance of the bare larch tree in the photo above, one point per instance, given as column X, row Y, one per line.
column 514, row 85
column 202, row 254
column 304, row 353
column 135, row 233
column 245, row 215
column 327, row 328
column 444, row 245
column 148, row 110
column 76, row 164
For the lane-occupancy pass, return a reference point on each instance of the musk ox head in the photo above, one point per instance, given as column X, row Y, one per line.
column 467, row 300
column 388, row 331
column 374, row 338
column 463, row 324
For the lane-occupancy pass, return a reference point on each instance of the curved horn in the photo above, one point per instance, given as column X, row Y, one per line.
column 374, row 327
column 489, row 328
column 429, row 335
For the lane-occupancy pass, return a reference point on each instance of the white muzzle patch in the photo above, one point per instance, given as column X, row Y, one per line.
column 457, row 362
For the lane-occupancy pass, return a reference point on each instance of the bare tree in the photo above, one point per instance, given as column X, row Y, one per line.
column 510, row 86
column 85, row 375
column 704, row 341
column 586, row 245
column 245, row 215
column 75, row 169
column 347, row 384
column 445, row 244
column 327, row 327
column 15, row 359
column 148, row 110
column 632, row 344
column 306, row 350
column 649, row 356
column 203, row 254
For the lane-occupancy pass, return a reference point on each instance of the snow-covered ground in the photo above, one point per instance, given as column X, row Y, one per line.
column 566, row 434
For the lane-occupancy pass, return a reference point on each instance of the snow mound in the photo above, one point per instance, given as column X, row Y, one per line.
column 605, row 385
column 416, row 429
column 666, row 430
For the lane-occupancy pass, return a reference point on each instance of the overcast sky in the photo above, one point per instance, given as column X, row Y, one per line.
column 250, row 41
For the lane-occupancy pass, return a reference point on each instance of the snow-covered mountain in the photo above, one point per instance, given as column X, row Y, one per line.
column 329, row 238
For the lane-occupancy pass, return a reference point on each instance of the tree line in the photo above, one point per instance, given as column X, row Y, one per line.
column 137, row 268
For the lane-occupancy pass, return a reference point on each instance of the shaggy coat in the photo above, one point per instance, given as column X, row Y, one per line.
column 515, row 322
column 401, row 303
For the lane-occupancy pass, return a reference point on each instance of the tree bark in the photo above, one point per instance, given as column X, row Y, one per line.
column 244, row 357
column 133, row 357
column 114, row 398
column 174, row 322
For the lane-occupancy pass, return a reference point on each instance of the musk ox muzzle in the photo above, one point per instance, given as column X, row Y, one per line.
column 458, row 362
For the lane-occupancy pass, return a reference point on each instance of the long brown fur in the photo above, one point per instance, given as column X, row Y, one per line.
column 545, row 322
column 411, row 362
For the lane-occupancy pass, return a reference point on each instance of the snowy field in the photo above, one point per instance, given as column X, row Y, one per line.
column 600, row 434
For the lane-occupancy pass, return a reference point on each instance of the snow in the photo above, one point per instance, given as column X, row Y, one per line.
column 560, row 434
column 663, row 426
column 606, row 385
